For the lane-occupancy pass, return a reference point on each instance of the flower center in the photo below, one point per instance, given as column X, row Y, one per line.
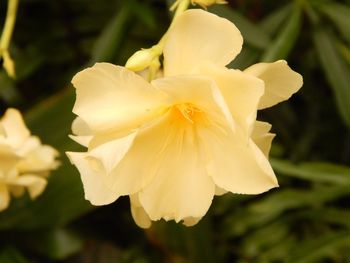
column 186, row 112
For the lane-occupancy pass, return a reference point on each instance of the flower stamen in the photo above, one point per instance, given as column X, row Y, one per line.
column 187, row 111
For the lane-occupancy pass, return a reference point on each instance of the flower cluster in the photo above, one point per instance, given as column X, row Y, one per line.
column 24, row 162
column 174, row 143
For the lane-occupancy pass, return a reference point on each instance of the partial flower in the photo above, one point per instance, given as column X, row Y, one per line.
column 24, row 162
column 174, row 143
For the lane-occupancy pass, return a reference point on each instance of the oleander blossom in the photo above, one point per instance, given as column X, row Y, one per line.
column 24, row 162
column 174, row 143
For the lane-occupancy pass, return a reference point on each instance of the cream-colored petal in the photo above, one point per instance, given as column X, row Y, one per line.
column 82, row 140
column 112, row 97
column 241, row 91
column 8, row 158
column 35, row 184
column 181, row 187
column 15, row 128
column 261, row 136
column 80, row 127
column 111, row 153
column 219, row 191
column 29, row 145
column 281, row 82
column 191, row 221
column 138, row 213
column 36, row 157
column 198, row 37
column 140, row 163
column 94, row 187
column 235, row 163
column 2, row 130
column 4, row 197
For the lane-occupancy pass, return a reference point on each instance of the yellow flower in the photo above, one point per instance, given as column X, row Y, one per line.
column 24, row 162
column 174, row 143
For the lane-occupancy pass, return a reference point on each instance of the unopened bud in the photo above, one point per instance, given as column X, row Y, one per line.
column 206, row 3
column 141, row 60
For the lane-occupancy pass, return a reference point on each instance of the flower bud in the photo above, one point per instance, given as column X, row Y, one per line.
column 206, row 3
column 141, row 60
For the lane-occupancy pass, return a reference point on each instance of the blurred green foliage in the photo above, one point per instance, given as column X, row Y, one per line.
column 306, row 220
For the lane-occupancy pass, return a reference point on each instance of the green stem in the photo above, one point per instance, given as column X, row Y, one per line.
column 182, row 7
column 7, row 35
column 9, row 24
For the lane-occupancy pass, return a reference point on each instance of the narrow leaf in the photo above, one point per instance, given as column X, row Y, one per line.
column 339, row 14
column 336, row 70
column 286, row 38
column 320, row 172
column 273, row 21
column 112, row 36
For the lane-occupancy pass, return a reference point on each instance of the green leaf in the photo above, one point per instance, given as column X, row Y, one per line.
column 313, row 171
column 329, row 215
column 252, row 33
column 56, row 244
column 112, row 36
column 284, row 42
column 246, row 58
column 145, row 14
column 273, row 21
column 336, row 70
column 11, row 255
column 278, row 202
column 318, row 248
column 261, row 238
column 339, row 14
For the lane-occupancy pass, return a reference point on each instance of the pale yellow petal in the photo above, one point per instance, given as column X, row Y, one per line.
column 15, row 128
column 112, row 97
column 4, row 197
column 191, row 221
column 235, row 163
column 94, row 187
column 34, row 184
column 198, row 37
column 241, row 91
column 82, row 132
column 82, row 140
column 80, row 127
column 36, row 157
column 181, row 187
column 39, row 160
column 8, row 158
column 281, row 82
column 140, row 163
column 261, row 136
column 219, row 191
column 138, row 213
column 111, row 153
